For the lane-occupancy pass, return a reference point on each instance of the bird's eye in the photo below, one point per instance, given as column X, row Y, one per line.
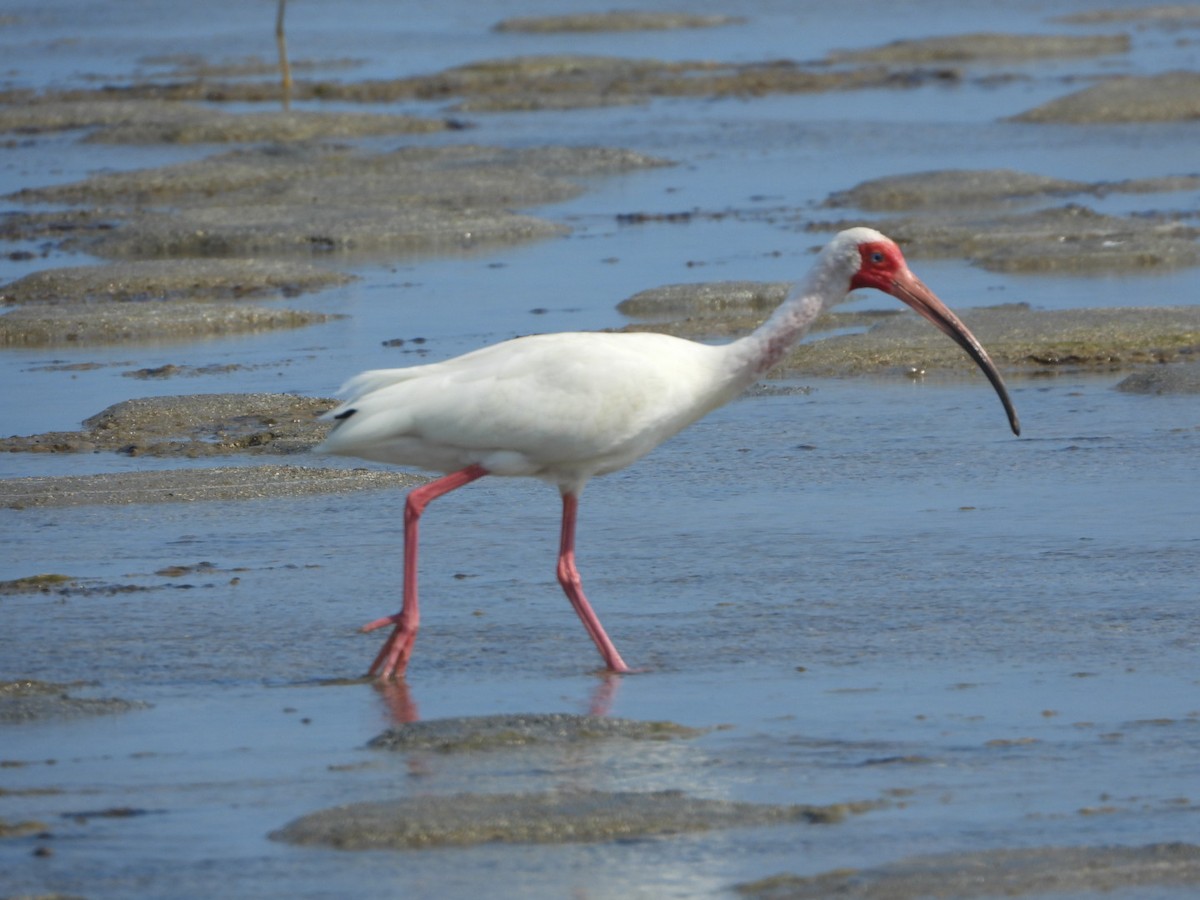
column 876, row 257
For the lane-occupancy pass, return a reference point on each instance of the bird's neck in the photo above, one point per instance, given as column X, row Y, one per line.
column 766, row 346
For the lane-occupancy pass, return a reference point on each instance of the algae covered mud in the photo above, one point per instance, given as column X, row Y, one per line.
column 888, row 650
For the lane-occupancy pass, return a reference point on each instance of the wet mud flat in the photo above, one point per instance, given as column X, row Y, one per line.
column 535, row 817
column 1045, row 871
column 571, row 81
column 31, row 700
column 182, row 234
column 463, row 820
column 194, row 485
column 194, row 426
column 1162, row 345
column 259, row 239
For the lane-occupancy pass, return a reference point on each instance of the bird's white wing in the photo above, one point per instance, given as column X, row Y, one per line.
column 376, row 379
column 579, row 399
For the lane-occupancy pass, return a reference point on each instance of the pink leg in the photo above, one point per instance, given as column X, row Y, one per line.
column 572, row 585
column 392, row 659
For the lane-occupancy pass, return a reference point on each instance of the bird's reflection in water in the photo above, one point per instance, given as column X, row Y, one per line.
column 604, row 694
column 398, row 701
column 400, row 707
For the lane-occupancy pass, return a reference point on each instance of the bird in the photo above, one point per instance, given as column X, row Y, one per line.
column 564, row 407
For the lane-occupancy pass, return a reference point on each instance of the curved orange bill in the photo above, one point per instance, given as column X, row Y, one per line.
column 908, row 288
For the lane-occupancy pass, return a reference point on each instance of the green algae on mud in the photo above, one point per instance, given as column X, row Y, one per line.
column 506, row 731
column 223, row 483
column 557, row 817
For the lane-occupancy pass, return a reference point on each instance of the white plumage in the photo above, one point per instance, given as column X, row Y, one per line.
column 560, row 407
column 565, row 407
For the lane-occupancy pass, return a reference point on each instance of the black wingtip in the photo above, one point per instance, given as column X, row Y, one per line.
column 345, row 415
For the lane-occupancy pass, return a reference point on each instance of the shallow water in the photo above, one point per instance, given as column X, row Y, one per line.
column 881, row 593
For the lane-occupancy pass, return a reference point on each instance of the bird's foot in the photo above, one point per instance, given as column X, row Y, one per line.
column 380, row 623
column 392, row 659
column 623, row 670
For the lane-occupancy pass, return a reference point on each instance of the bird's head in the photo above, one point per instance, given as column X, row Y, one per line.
column 877, row 263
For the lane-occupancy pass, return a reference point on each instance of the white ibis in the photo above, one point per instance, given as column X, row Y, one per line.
column 565, row 407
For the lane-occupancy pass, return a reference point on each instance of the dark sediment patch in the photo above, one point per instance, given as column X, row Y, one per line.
column 194, row 425
column 615, row 20
column 1178, row 379
column 30, row 701
column 1040, row 871
column 189, row 486
column 1169, row 97
column 463, row 820
column 170, row 279
column 171, row 370
column 513, row 730
column 986, row 46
